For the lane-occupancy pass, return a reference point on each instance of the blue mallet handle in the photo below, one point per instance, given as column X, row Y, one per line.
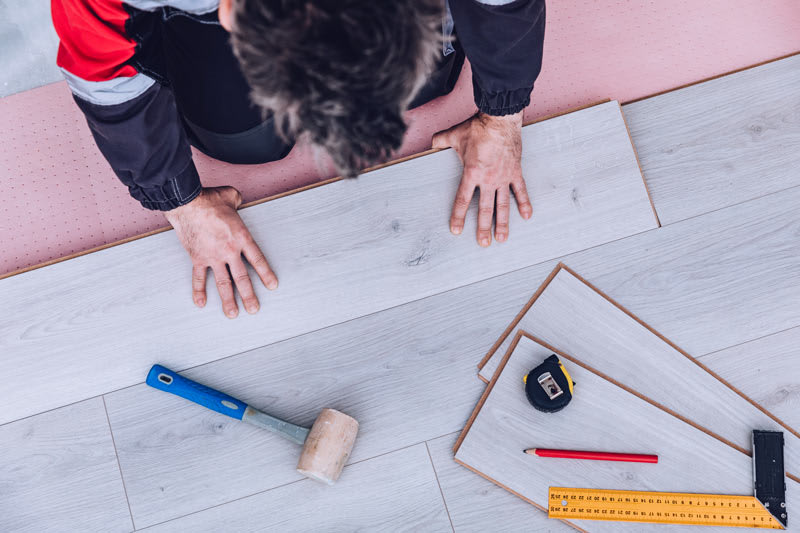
column 165, row 379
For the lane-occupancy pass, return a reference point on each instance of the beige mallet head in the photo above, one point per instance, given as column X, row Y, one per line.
column 328, row 446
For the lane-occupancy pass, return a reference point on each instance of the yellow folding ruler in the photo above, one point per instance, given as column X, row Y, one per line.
column 659, row 507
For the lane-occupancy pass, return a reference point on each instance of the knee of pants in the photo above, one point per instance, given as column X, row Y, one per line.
column 258, row 145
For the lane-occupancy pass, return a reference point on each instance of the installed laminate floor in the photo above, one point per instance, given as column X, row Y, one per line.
column 720, row 142
column 394, row 492
column 404, row 374
column 408, row 372
column 340, row 251
column 478, row 505
column 58, row 472
column 706, row 283
column 767, row 370
column 413, row 364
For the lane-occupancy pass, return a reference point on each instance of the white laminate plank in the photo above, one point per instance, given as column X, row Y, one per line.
column 767, row 370
column 604, row 417
column 720, row 142
column 706, row 283
column 341, row 251
column 573, row 318
column 58, row 472
column 476, row 504
column 394, row 492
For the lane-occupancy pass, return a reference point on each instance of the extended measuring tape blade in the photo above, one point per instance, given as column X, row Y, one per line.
column 659, row 508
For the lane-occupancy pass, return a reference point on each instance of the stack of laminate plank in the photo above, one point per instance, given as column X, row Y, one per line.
column 635, row 392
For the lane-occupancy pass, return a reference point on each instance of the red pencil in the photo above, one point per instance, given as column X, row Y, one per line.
column 595, row 456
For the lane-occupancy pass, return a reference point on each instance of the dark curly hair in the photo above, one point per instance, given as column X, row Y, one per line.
column 340, row 71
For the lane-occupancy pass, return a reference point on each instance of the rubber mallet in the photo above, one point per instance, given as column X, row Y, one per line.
column 326, row 446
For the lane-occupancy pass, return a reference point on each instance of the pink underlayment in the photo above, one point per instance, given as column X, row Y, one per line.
column 60, row 197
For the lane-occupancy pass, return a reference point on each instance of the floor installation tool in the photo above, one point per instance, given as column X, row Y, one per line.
column 549, row 386
column 326, row 446
column 659, row 507
column 767, row 509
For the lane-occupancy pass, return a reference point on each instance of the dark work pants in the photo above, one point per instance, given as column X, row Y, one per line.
column 213, row 96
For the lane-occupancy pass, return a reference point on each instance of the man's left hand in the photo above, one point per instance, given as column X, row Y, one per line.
column 490, row 149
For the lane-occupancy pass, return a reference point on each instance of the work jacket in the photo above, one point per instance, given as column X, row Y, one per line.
column 110, row 62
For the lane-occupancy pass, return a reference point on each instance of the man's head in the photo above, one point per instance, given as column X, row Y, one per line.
column 341, row 71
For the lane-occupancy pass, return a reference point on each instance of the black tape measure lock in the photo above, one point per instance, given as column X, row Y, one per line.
column 549, row 386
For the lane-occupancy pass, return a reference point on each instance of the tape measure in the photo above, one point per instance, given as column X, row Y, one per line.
column 549, row 386
column 659, row 508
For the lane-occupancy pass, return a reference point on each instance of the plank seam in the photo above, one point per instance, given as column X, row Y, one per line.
column 277, row 487
column 639, row 164
column 748, row 341
column 735, row 204
column 439, row 484
column 517, row 494
column 221, row 504
column 119, row 466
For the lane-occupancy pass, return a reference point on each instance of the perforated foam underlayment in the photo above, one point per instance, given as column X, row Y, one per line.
column 60, row 197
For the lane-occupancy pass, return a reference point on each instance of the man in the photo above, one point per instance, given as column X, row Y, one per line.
column 156, row 76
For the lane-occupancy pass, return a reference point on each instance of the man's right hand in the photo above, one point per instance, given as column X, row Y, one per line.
column 210, row 229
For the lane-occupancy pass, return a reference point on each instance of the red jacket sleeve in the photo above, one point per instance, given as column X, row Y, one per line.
column 134, row 119
column 94, row 45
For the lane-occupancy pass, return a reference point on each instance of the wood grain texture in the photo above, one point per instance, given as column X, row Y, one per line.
column 721, row 142
column 405, row 374
column 767, row 370
column 476, row 504
column 58, row 472
column 572, row 317
column 341, row 251
column 706, row 283
column 601, row 416
column 394, row 492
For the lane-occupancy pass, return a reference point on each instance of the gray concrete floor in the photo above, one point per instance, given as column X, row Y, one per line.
column 28, row 46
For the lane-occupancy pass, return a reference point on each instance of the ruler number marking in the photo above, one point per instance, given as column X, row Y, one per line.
column 640, row 506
